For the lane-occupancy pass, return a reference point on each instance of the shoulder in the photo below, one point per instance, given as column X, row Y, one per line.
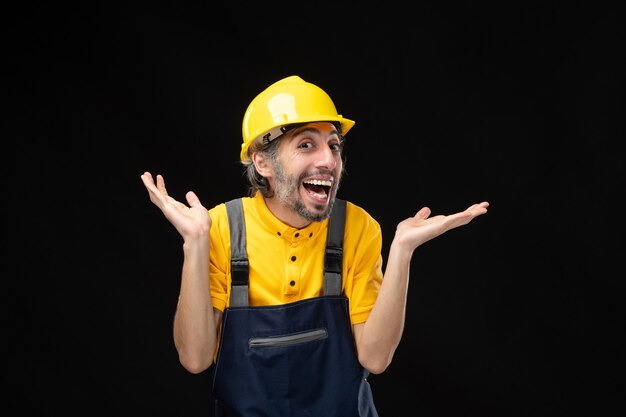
column 361, row 226
column 357, row 215
column 363, row 235
column 219, row 212
column 219, row 216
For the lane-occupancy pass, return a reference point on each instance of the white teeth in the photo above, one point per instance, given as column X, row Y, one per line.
column 320, row 196
column 319, row 182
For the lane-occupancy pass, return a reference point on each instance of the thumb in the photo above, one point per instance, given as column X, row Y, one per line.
column 193, row 199
column 423, row 213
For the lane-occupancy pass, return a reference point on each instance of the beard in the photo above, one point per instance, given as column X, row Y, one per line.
column 286, row 191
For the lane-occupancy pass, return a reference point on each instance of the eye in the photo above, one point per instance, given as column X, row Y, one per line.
column 306, row 145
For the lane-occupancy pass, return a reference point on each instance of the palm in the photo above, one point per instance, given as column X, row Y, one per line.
column 421, row 228
column 189, row 221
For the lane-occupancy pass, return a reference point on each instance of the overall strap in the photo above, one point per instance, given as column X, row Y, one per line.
column 238, row 253
column 333, row 259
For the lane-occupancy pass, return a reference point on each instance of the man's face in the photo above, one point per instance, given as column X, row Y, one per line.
column 308, row 170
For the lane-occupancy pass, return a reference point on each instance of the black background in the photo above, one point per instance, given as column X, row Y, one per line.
column 519, row 313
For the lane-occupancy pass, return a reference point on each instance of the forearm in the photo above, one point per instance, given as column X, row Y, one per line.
column 195, row 332
column 380, row 335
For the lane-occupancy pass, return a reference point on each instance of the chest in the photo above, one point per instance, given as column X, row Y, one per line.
column 285, row 270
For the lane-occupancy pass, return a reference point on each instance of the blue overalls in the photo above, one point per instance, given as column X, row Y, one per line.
column 295, row 359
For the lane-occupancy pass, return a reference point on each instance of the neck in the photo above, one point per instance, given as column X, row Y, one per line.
column 284, row 214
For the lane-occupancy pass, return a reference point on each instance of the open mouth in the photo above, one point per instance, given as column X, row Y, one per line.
column 318, row 189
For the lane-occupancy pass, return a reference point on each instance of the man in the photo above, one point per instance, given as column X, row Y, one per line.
column 283, row 289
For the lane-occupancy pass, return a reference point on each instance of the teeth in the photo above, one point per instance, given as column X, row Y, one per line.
column 320, row 196
column 319, row 182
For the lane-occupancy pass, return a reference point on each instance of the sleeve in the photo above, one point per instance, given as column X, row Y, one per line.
column 219, row 264
column 363, row 262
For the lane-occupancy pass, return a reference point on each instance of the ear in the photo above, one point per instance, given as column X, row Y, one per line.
column 262, row 164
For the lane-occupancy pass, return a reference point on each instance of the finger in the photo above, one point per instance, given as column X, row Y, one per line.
column 478, row 209
column 482, row 205
column 192, row 199
column 148, row 181
column 161, row 184
column 423, row 213
column 146, row 177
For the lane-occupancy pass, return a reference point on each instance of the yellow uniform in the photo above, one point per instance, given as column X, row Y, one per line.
column 287, row 264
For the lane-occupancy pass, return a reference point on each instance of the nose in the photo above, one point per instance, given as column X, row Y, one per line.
column 326, row 157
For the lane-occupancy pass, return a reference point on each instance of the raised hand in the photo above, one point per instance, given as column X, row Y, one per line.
column 190, row 221
column 419, row 229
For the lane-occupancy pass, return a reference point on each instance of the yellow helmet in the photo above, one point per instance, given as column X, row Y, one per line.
column 290, row 100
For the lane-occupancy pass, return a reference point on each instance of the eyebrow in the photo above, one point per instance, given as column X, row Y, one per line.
column 306, row 129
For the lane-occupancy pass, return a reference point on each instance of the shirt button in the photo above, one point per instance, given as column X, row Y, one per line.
column 293, row 258
column 297, row 234
column 292, row 283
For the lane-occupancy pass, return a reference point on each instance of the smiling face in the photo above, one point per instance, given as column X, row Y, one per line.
column 305, row 173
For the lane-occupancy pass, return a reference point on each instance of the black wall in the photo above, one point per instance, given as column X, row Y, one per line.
column 519, row 313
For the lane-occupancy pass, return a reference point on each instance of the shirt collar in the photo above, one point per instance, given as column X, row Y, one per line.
column 276, row 226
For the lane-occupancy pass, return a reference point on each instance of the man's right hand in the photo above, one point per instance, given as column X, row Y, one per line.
column 192, row 222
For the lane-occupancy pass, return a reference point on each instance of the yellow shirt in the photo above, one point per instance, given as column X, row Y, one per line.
column 287, row 264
